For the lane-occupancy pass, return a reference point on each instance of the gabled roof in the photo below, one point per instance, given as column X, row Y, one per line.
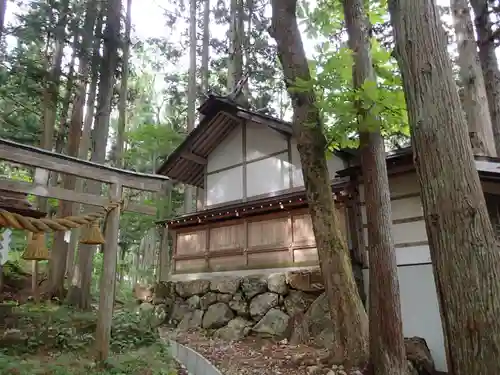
column 219, row 117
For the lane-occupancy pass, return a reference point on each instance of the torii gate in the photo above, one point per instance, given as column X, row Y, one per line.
column 117, row 179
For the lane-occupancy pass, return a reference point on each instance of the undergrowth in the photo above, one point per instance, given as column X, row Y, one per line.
column 57, row 340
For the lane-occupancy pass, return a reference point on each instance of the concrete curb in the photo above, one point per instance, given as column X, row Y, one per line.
column 194, row 362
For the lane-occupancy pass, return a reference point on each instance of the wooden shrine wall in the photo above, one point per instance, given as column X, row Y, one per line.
column 268, row 241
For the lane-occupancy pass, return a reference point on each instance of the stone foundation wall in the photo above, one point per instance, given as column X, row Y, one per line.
column 289, row 305
column 232, row 307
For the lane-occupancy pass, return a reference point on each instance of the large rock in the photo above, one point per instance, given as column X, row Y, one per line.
column 253, row 285
column 239, row 305
column 236, row 329
column 186, row 289
column 274, row 323
column 193, row 302
column 305, row 280
column 179, row 310
column 217, row 316
column 143, row 293
column 419, row 355
column 164, row 290
column 226, row 285
column 317, row 325
column 298, row 302
column 145, row 308
column 160, row 314
column 221, row 297
column 262, row 303
column 154, row 315
column 208, row 299
column 191, row 320
column 276, row 283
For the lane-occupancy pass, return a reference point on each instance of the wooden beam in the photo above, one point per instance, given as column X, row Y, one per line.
column 69, row 195
column 193, row 157
column 32, row 156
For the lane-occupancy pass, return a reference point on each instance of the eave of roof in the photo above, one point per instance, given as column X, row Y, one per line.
column 286, row 200
column 399, row 157
column 404, row 157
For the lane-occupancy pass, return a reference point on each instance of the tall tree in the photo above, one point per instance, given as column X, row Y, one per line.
column 122, row 104
column 205, row 72
column 191, row 110
column 109, row 61
column 51, row 93
column 62, row 250
column 475, row 100
column 464, row 251
column 236, row 42
column 92, row 74
column 489, row 62
column 3, row 10
column 345, row 304
column 387, row 351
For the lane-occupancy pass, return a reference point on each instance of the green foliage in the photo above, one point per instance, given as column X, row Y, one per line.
column 331, row 71
column 51, row 339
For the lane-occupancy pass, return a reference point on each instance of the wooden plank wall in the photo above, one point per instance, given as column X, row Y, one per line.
column 269, row 241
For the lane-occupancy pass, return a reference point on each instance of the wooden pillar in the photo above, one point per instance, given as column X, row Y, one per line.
column 200, row 199
column 108, row 277
column 41, row 178
column 164, row 267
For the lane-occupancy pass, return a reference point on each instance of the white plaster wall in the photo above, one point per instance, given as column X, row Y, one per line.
column 413, row 255
column 225, row 186
column 229, row 152
column 398, row 185
column 268, row 175
column 420, row 308
column 262, row 141
column 406, row 233
column 334, row 164
column 401, row 208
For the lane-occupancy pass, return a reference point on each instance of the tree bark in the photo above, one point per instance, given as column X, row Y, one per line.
column 236, row 41
column 3, row 10
column 89, row 103
column 62, row 250
column 191, row 110
column 471, row 76
column 489, row 63
column 205, row 71
column 51, row 93
column 100, row 138
column 122, row 104
column 463, row 248
column 59, row 253
column 346, row 308
column 387, row 351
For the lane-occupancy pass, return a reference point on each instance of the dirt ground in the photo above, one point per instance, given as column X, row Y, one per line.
column 258, row 356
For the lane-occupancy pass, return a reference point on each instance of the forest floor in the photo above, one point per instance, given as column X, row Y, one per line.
column 50, row 339
column 258, row 356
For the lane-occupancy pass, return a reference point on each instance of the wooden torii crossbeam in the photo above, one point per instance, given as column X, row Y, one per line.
column 117, row 179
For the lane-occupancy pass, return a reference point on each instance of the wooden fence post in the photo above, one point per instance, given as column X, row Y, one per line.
column 108, row 277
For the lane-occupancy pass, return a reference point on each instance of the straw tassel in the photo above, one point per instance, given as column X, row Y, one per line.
column 92, row 235
column 36, row 248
